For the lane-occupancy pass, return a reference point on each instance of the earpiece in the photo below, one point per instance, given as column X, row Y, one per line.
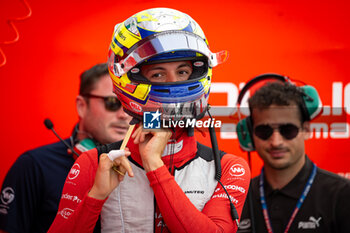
column 312, row 101
column 244, row 129
column 311, row 107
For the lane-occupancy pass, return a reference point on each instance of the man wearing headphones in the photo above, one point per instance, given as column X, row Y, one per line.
column 291, row 194
column 160, row 63
column 33, row 186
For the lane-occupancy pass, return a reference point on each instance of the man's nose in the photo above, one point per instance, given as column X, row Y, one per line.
column 121, row 114
column 171, row 77
column 276, row 138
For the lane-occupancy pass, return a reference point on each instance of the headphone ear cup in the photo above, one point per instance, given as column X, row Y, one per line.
column 312, row 101
column 244, row 130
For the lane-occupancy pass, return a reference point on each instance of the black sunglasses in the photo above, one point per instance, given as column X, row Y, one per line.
column 112, row 103
column 288, row 131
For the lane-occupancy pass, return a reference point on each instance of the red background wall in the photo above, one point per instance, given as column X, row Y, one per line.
column 306, row 40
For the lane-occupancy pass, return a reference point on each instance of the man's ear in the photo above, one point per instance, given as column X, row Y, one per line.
column 306, row 130
column 81, row 106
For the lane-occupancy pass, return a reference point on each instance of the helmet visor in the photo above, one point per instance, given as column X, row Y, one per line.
column 164, row 42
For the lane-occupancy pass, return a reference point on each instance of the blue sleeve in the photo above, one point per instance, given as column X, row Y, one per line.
column 20, row 195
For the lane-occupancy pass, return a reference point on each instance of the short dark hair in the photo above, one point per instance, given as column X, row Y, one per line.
column 280, row 94
column 90, row 77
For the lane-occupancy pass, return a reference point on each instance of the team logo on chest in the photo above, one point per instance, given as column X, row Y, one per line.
column 74, row 172
column 313, row 223
column 7, row 195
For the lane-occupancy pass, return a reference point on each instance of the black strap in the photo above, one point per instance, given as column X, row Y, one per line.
column 206, row 152
column 107, row 148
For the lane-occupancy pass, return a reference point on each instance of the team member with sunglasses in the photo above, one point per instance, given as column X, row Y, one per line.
column 159, row 61
column 291, row 194
column 33, row 186
column 99, row 109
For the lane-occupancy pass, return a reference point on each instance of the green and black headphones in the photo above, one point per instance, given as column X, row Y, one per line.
column 310, row 107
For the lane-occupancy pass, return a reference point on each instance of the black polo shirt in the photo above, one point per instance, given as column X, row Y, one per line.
column 32, row 189
column 325, row 209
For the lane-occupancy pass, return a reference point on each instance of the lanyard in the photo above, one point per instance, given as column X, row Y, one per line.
column 297, row 207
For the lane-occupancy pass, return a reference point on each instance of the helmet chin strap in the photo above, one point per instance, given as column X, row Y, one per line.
column 190, row 131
